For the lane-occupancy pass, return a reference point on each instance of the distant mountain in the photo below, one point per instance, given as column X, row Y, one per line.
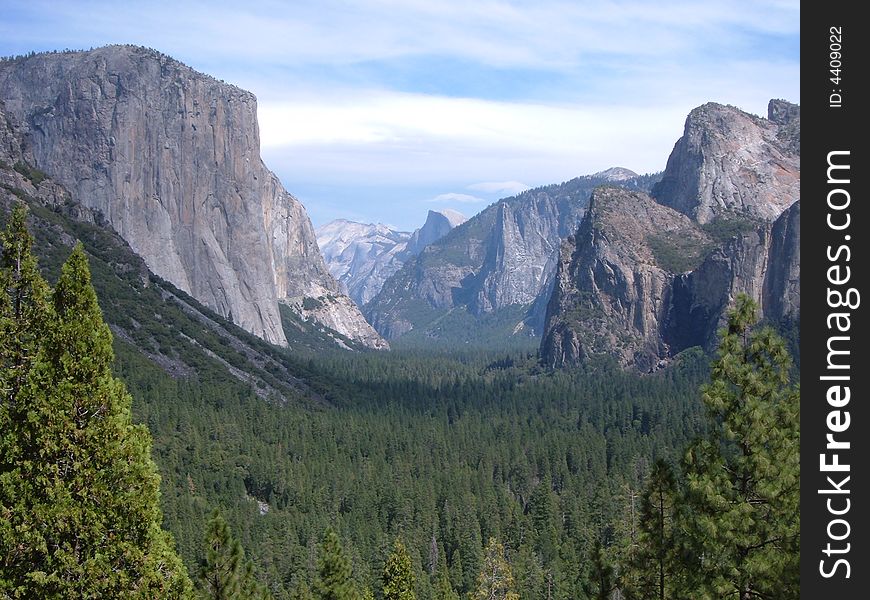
column 169, row 158
column 645, row 277
column 479, row 283
column 438, row 224
column 616, row 174
column 362, row 256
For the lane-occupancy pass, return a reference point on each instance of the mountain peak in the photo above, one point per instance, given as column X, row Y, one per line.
column 615, row 174
column 438, row 224
column 731, row 164
column 171, row 159
column 454, row 217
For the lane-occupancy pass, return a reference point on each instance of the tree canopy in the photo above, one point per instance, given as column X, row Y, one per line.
column 79, row 494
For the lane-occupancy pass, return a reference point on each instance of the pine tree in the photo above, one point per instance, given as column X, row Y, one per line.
column 24, row 307
column 398, row 574
column 653, row 568
column 742, row 501
column 443, row 589
column 602, row 578
column 225, row 574
column 222, row 571
column 495, row 581
column 529, row 570
column 79, row 494
column 334, row 573
column 301, row 591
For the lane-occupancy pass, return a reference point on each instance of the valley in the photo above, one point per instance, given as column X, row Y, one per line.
column 517, row 376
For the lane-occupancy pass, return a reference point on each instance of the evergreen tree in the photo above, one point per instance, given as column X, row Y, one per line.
column 653, row 567
column 495, row 581
column 334, row 573
column 602, row 577
column 79, row 494
column 456, row 570
column 24, row 308
column 225, row 574
column 742, row 500
column 398, row 574
column 530, row 576
column 301, row 591
column 443, row 589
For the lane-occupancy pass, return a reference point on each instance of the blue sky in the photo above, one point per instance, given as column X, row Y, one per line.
column 380, row 110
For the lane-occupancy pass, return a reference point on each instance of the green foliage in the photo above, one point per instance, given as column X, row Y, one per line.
column 742, row 503
column 495, row 582
column 32, row 173
column 411, row 442
column 653, row 564
column 79, row 494
column 602, row 581
column 443, row 590
column 723, row 229
column 678, row 253
column 398, row 575
column 334, row 572
column 225, row 574
column 221, row 575
column 729, row 524
column 310, row 303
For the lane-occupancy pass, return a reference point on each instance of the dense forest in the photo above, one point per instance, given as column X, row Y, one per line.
column 435, row 474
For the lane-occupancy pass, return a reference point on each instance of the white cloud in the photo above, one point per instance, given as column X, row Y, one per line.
column 547, row 34
column 499, row 187
column 344, row 100
column 454, row 197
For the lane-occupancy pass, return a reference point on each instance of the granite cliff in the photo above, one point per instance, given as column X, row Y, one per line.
column 645, row 277
column 169, row 158
column 490, row 270
column 363, row 256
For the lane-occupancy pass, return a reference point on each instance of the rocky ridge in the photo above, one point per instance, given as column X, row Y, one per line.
column 730, row 163
column 646, row 277
column 362, row 256
column 169, row 158
column 502, row 259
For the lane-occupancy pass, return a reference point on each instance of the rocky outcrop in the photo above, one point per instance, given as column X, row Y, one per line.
column 438, row 224
column 170, row 159
column 614, row 278
column 502, row 258
column 497, row 267
column 645, row 278
column 781, row 295
column 363, row 256
column 731, row 164
column 616, row 175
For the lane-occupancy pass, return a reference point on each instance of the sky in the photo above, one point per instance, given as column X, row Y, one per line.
column 380, row 110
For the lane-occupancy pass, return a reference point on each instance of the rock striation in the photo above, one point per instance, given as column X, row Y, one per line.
column 170, row 159
column 644, row 278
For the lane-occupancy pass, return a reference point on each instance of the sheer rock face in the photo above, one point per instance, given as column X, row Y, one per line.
column 438, row 224
column 170, row 159
column 732, row 164
column 782, row 283
column 363, row 256
column 612, row 293
column 645, row 278
column 504, row 257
